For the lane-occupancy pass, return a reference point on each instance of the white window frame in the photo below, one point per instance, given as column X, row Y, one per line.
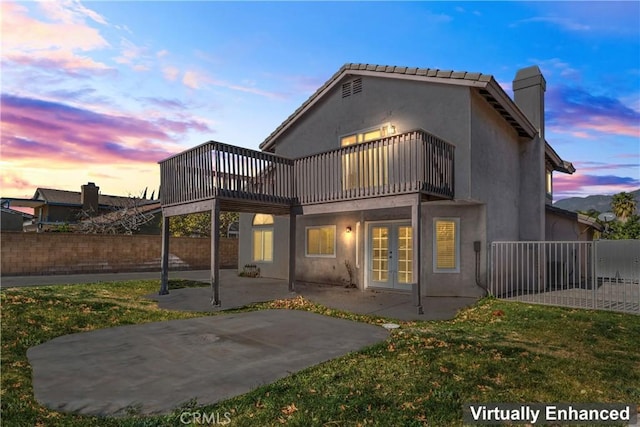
column 261, row 228
column 306, row 241
column 456, row 269
column 386, row 130
column 548, row 183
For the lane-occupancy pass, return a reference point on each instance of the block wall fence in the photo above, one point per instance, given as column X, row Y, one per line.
column 68, row 253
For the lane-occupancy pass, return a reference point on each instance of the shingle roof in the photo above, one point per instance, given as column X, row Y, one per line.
column 487, row 85
column 65, row 197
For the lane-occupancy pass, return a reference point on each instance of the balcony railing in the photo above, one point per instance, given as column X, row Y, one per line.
column 412, row 162
column 215, row 170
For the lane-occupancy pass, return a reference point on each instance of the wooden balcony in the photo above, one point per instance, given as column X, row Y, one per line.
column 412, row 162
column 226, row 172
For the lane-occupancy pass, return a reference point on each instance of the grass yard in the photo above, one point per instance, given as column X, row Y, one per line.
column 495, row 351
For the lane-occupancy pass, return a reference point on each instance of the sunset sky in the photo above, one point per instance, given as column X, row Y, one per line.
column 101, row 91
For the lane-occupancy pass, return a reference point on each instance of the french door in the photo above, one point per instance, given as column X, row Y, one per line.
column 390, row 255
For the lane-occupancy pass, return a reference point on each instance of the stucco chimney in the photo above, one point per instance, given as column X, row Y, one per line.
column 89, row 197
column 529, row 86
column 528, row 91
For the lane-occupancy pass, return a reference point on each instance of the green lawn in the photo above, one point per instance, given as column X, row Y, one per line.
column 494, row 351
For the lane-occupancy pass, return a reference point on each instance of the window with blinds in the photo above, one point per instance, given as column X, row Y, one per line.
column 446, row 245
column 370, row 167
column 262, row 238
column 321, row 241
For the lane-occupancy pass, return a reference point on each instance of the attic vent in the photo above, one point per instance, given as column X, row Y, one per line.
column 352, row 87
column 357, row 86
column 346, row 89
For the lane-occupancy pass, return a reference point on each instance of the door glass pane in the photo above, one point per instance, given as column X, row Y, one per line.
column 380, row 259
column 405, row 255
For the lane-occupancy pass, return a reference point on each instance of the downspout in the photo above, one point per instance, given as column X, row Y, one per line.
column 476, row 248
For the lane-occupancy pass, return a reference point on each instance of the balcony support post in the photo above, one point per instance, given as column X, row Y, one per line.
column 215, row 253
column 164, row 268
column 416, row 221
column 292, row 250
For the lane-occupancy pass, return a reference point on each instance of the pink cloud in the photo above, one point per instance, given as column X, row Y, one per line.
column 60, row 60
column 573, row 110
column 601, row 166
column 170, row 73
column 10, row 180
column 63, row 133
column 51, row 45
column 583, row 184
column 194, row 79
column 23, row 33
column 70, row 11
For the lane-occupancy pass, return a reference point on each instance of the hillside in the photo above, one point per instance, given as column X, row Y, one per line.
column 601, row 203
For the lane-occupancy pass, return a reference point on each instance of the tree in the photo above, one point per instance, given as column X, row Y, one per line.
column 199, row 224
column 623, row 206
column 125, row 219
column 618, row 230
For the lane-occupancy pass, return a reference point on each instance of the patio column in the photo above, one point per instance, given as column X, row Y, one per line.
column 416, row 220
column 164, row 263
column 292, row 250
column 215, row 253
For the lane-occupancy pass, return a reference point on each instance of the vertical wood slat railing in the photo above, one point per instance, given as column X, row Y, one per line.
column 410, row 162
column 215, row 169
column 406, row 163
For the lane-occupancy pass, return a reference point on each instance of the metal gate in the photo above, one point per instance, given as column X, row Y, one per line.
column 603, row 274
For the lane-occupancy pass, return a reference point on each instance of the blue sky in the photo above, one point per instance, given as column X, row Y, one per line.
column 100, row 91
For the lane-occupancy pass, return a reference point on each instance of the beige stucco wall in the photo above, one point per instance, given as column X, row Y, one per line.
column 279, row 267
column 492, row 179
column 442, row 110
column 332, row 270
column 495, row 170
column 562, row 227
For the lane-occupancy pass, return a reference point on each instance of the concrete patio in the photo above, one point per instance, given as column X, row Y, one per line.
column 238, row 291
column 153, row 368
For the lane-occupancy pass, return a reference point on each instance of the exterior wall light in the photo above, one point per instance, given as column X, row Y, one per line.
column 348, row 230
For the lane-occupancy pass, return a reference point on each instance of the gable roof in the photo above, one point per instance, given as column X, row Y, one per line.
column 9, row 211
column 485, row 83
column 74, row 198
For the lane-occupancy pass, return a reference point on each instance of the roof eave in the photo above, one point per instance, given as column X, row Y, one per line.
column 422, row 75
column 486, row 82
column 520, row 119
column 558, row 164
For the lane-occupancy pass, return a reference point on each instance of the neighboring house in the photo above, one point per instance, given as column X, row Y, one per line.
column 564, row 225
column 398, row 177
column 53, row 207
column 13, row 220
column 140, row 216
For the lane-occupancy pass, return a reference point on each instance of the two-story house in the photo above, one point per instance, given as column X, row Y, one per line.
column 389, row 177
